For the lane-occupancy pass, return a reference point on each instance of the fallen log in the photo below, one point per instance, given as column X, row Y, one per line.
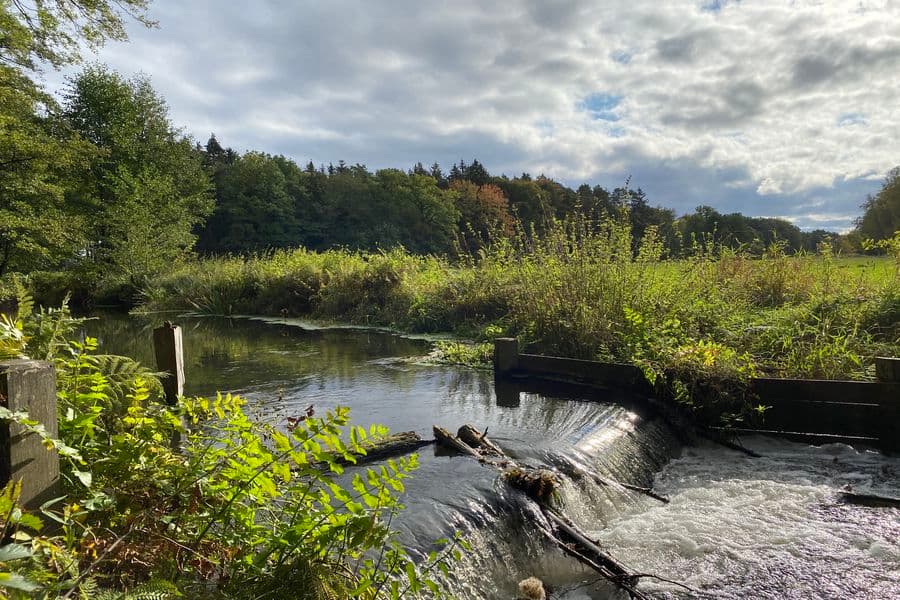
column 870, row 500
column 593, row 550
column 718, row 436
column 577, row 471
column 448, row 440
column 476, row 439
column 392, row 445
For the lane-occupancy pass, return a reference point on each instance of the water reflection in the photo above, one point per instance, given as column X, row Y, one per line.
column 223, row 354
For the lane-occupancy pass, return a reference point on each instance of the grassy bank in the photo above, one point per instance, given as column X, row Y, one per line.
column 579, row 292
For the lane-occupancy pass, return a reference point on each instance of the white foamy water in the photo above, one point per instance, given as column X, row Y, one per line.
column 771, row 527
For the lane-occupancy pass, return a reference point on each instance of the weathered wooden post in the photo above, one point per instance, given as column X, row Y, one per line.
column 506, row 355
column 29, row 386
column 170, row 359
column 887, row 371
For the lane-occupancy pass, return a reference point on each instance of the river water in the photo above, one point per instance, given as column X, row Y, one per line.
column 736, row 527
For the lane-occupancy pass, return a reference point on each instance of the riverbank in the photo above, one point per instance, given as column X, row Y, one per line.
column 812, row 316
column 699, row 326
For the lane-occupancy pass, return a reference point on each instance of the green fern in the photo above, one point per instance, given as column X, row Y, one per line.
column 24, row 300
column 121, row 371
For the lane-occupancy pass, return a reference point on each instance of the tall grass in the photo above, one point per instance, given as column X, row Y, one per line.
column 580, row 291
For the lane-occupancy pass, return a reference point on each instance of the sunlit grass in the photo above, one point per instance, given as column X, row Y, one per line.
column 578, row 291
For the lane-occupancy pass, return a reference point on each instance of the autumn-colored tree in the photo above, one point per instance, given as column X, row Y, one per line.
column 484, row 213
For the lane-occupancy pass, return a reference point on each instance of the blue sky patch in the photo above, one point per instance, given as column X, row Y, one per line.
column 848, row 119
column 623, row 57
column 713, row 6
column 600, row 106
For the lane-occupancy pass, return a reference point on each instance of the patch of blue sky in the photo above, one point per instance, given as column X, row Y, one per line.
column 623, row 57
column 545, row 127
column 853, row 118
column 600, row 106
column 713, row 5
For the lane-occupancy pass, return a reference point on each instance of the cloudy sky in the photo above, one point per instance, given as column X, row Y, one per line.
column 769, row 108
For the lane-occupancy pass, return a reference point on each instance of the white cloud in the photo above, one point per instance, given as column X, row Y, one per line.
column 778, row 99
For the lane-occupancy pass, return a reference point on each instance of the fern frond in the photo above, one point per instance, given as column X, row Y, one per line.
column 157, row 589
column 121, row 371
column 24, row 300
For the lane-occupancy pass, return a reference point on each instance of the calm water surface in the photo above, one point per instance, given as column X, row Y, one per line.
column 736, row 527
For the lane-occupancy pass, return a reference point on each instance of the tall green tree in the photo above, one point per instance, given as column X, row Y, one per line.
column 254, row 210
column 881, row 212
column 39, row 157
column 147, row 187
column 36, row 32
column 414, row 212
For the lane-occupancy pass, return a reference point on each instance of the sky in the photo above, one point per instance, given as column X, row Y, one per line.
column 787, row 109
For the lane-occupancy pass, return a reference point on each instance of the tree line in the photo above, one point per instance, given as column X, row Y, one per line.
column 264, row 201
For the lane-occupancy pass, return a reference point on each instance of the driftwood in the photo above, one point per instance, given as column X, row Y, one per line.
column 539, row 484
column 718, row 435
column 395, row 444
column 476, row 439
column 870, row 500
column 448, row 440
column 577, row 472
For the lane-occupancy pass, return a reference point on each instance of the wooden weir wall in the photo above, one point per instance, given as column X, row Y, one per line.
column 807, row 410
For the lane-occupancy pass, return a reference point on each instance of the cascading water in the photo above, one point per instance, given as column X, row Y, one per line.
column 736, row 527
column 504, row 526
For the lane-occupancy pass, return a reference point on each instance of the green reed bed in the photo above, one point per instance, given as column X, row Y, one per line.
column 580, row 291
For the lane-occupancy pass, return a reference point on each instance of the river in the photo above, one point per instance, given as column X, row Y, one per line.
column 736, row 527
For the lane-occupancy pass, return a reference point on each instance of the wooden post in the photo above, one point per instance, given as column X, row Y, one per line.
column 887, row 369
column 506, row 355
column 29, row 386
column 170, row 359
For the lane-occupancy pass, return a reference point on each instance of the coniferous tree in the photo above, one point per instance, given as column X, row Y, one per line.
column 476, row 173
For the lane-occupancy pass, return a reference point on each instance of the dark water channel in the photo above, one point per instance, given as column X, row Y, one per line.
column 736, row 527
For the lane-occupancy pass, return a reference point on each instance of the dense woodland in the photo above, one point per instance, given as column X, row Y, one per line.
column 265, row 201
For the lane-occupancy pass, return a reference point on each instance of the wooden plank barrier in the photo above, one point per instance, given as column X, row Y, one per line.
column 811, row 410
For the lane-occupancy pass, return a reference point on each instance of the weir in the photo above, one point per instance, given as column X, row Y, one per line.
column 807, row 410
column 592, row 451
